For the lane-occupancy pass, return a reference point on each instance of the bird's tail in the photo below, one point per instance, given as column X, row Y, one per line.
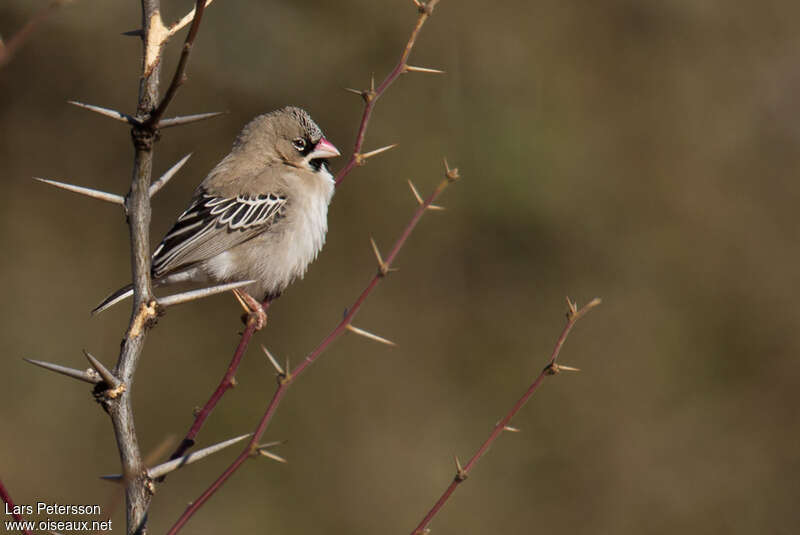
column 120, row 295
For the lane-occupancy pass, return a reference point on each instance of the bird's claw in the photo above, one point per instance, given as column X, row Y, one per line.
column 254, row 312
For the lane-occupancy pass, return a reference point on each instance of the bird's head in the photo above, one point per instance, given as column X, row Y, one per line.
column 289, row 135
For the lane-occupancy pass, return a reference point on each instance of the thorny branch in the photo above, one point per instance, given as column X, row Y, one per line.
column 289, row 376
column 138, row 491
column 372, row 94
column 357, row 158
column 552, row 368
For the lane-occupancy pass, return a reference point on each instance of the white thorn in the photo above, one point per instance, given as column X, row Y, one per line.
column 89, row 192
column 367, row 334
column 272, row 360
column 91, row 377
column 163, row 179
column 170, row 466
column 186, row 119
column 114, row 114
column 192, row 295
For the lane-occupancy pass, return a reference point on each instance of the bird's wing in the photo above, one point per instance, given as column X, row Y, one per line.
column 212, row 225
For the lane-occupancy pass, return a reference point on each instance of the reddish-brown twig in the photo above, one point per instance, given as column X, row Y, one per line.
column 288, row 377
column 225, row 384
column 11, row 47
column 10, row 504
column 357, row 158
column 372, row 94
column 552, row 368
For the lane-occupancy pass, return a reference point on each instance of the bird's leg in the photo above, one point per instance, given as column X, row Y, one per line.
column 253, row 309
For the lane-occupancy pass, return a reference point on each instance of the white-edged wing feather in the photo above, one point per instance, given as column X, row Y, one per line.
column 212, row 225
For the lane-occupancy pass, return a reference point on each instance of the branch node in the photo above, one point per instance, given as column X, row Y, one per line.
column 383, row 267
column 359, row 92
column 572, row 309
column 114, row 387
column 286, row 376
column 361, row 158
column 555, row 368
column 574, row 313
column 461, row 474
column 451, row 174
column 145, row 318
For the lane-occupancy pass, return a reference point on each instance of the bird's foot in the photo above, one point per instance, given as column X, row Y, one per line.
column 254, row 311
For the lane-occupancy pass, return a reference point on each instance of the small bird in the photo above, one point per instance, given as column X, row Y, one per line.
column 261, row 214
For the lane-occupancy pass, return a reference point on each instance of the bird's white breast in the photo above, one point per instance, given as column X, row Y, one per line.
column 282, row 253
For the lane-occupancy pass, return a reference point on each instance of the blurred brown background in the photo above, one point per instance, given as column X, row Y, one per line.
column 645, row 152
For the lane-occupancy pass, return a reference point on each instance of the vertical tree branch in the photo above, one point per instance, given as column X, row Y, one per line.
column 137, row 205
column 144, row 311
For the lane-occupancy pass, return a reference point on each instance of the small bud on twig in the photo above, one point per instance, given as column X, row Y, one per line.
column 451, row 174
column 383, row 267
column 461, row 474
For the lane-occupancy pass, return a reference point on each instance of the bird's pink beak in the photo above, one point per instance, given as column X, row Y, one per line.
column 324, row 149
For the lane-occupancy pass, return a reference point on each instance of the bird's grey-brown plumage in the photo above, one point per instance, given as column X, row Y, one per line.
column 260, row 214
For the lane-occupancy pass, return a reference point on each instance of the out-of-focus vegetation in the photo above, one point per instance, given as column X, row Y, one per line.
column 646, row 152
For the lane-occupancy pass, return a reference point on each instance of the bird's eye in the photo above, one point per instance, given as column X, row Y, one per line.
column 299, row 143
